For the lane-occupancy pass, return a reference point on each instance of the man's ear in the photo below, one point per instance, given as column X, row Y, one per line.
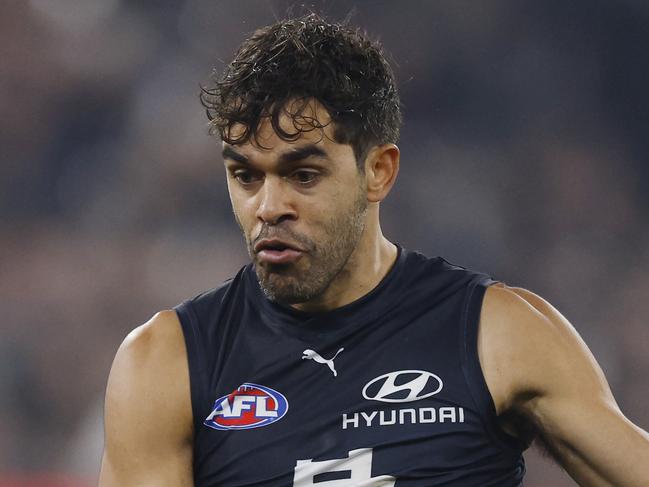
column 381, row 169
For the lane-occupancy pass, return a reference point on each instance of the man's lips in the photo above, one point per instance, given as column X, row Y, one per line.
column 279, row 256
column 277, row 251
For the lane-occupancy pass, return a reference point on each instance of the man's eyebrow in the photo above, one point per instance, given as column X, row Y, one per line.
column 230, row 153
column 293, row 155
column 302, row 153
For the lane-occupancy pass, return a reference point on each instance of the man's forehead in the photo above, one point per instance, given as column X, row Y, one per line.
column 308, row 119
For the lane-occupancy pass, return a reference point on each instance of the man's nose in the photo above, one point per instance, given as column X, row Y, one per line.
column 275, row 203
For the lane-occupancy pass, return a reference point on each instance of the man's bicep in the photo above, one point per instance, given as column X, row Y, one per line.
column 573, row 405
column 148, row 440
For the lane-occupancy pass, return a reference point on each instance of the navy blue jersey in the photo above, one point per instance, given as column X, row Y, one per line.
column 386, row 391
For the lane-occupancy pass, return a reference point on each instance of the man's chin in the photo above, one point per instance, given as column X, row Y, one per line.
column 281, row 287
column 284, row 296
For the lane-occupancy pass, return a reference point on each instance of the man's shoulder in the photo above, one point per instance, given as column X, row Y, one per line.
column 520, row 313
column 523, row 339
column 149, row 377
column 159, row 335
column 147, row 414
column 152, row 355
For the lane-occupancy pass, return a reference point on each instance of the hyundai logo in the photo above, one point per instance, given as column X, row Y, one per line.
column 402, row 386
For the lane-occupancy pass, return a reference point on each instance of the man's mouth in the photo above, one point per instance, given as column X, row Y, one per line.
column 277, row 251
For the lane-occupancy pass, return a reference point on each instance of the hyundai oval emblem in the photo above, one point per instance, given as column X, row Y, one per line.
column 402, row 386
column 249, row 406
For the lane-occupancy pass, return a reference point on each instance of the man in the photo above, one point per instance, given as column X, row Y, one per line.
column 337, row 358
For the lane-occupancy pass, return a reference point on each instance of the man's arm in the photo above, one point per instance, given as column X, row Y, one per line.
column 538, row 368
column 148, row 416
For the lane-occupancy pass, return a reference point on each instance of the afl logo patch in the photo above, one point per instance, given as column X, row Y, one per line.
column 402, row 386
column 250, row 406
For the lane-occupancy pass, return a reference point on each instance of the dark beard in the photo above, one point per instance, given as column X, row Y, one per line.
column 322, row 263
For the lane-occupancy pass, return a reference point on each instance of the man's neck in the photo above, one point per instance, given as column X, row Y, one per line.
column 367, row 266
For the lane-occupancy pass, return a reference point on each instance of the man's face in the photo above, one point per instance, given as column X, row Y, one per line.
column 301, row 206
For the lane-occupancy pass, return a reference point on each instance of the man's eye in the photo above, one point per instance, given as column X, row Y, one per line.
column 305, row 177
column 244, row 177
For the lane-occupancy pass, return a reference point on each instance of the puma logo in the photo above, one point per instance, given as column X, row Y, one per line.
column 313, row 355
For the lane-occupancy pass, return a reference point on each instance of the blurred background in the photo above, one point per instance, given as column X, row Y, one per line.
column 524, row 155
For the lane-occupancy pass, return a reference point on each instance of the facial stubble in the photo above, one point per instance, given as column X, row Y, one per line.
column 323, row 261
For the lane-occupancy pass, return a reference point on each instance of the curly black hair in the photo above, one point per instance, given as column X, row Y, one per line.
column 303, row 59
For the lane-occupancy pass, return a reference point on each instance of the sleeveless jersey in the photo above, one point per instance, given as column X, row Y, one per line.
column 386, row 391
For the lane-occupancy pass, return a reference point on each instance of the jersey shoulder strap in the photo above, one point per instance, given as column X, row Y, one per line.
column 199, row 318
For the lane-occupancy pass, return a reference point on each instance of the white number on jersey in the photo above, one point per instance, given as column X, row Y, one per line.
column 356, row 468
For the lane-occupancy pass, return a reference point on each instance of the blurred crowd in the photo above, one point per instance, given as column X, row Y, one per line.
column 524, row 154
